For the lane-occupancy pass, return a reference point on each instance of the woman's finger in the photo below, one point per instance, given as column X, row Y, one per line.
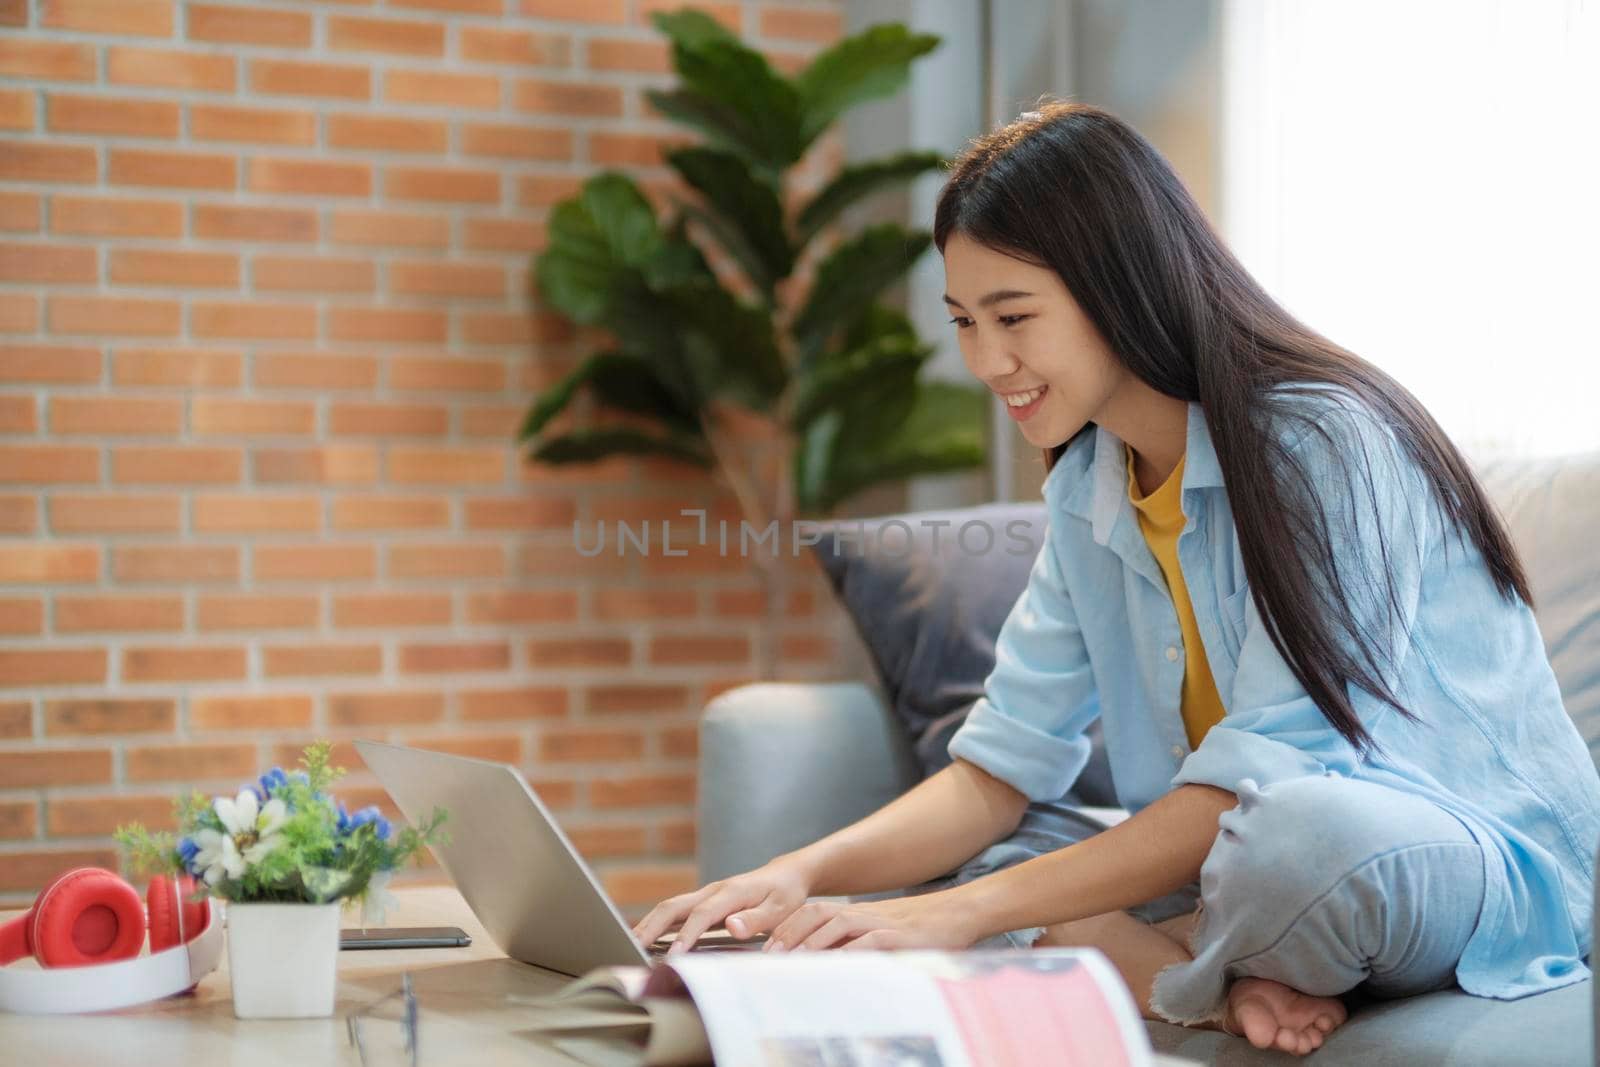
column 872, row 939
column 842, row 926
column 669, row 913
column 762, row 917
column 708, row 913
column 800, row 925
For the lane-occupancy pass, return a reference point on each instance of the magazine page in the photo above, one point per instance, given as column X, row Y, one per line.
column 1054, row 1007
column 606, row 1019
column 626, row 982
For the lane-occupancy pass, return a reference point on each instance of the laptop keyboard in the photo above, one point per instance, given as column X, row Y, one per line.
column 710, row 941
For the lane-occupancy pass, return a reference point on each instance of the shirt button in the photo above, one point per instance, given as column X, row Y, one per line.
column 1177, row 751
column 1172, row 653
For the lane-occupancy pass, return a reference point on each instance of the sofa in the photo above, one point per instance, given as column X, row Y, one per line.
column 783, row 764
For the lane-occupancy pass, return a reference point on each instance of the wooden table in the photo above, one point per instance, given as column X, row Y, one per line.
column 464, row 1017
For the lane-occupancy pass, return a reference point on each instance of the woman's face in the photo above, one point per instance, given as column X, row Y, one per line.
column 1021, row 332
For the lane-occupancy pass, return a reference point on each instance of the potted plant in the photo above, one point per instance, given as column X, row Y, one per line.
column 831, row 380
column 287, row 857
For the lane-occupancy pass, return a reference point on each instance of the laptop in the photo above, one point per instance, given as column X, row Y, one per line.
column 536, row 897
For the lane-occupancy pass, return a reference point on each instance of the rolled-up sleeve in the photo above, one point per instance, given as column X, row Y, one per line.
column 1028, row 727
column 1273, row 730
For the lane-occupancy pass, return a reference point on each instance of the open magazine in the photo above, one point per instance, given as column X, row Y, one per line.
column 1061, row 1007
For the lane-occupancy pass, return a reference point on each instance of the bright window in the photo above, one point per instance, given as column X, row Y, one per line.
column 1420, row 182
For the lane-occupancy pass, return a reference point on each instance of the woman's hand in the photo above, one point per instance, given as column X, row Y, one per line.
column 929, row 920
column 747, row 904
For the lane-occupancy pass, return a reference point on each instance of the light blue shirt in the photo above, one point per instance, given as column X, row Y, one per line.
column 1095, row 635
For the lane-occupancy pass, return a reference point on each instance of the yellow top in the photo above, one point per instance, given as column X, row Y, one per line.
column 1161, row 520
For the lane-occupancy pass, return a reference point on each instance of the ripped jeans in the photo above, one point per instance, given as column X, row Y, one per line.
column 1323, row 883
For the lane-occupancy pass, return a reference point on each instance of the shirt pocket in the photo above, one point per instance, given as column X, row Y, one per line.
column 1233, row 618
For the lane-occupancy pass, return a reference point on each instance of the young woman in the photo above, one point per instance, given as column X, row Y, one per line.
column 1278, row 586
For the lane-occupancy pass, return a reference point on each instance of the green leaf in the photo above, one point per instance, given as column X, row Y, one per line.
column 729, row 346
column 882, row 367
column 575, row 273
column 619, row 380
column 854, row 183
column 595, row 240
column 874, row 63
column 630, row 383
column 851, row 277
column 740, row 80
column 744, row 212
column 721, row 123
column 623, row 217
column 943, row 432
column 691, row 28
column 587, row 446
column 878, row 322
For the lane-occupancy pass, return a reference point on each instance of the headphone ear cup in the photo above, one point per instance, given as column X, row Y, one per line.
column 163, row 911
column 88, row 915
column 165, row 904
column 196, row 913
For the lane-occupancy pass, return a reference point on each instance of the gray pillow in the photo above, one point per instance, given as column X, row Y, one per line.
column 928, row 592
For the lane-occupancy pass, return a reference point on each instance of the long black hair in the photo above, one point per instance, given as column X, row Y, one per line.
column 1072, row 188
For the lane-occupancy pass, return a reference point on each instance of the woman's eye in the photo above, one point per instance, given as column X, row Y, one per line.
column 1009, row 320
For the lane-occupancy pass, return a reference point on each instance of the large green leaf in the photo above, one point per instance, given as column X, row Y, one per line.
column 766, row 106
column 619, row 380
column 596, row 240
column 623, row 217
column 882, row 366
column 649, row 322
column 744, row 212
column 631, row 383
column 729, row 346
column 854, row 183
column 876, row 323
column 851, row 277
column 576, row 272
column 692, row 28
column 587, row 446
column 874, row 63
column 943, row 432
column 724, row 125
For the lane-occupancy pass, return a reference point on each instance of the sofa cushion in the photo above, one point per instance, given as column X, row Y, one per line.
column 1552, row 507
column 928, row 604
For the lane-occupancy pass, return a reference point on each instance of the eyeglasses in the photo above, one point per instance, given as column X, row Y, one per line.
column 408, row 1020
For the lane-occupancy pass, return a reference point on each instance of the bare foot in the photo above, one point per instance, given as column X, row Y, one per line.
column 1270, row 1014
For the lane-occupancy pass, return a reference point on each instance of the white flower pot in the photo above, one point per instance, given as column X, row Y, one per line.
column 283, row 959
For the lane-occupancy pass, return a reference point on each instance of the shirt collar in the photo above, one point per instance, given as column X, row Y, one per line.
column 1099, row 474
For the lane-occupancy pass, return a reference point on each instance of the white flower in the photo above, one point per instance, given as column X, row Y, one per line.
column 252, row 832
column 378, row 900
column 218, row 856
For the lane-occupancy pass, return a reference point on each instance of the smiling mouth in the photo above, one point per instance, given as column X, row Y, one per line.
column 1022, row 400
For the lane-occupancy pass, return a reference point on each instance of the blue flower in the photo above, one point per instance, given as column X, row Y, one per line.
column 187, row 849
column 349, row 824
column 271, row 782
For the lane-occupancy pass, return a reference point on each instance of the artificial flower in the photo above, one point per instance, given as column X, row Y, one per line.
column 378, row 900
column 349, row 824
column 254, row 829
column 217, row 857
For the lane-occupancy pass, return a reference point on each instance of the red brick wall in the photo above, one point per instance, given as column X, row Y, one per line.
column 265, row 335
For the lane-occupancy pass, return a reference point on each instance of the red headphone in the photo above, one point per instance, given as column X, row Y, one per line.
column 86, row 929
